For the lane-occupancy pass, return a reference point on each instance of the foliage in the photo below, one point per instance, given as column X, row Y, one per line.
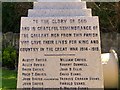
column 108, row 13
column 0, row 78
column 12, row 13
column 10, row 39
column 9, row 79
column 9, row 57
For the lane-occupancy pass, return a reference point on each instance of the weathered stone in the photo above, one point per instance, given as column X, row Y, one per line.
column 59, row 12
column 59, row 0
column 59, row 5
column 68, row 49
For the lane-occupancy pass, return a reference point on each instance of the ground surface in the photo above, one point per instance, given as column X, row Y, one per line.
column 9, row 79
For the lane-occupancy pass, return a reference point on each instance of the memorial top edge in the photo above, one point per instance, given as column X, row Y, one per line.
column 58, row 9
column 61, row 2
column 60, row 17
column 58, row 0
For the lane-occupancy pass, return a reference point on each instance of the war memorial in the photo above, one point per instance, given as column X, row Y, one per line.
column 60, row 47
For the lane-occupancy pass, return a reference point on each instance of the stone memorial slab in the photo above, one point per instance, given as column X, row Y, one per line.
column 60, row 52
column 59, row 5
column 59, row 12
column 59, row 0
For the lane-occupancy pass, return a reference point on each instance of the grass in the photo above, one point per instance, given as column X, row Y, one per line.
column 9, row 79
column 0, row 78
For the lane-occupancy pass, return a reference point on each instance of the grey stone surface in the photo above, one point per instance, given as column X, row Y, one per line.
column 58, row 0
column 65, row 33
column 59, row 5
column 58, row 12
